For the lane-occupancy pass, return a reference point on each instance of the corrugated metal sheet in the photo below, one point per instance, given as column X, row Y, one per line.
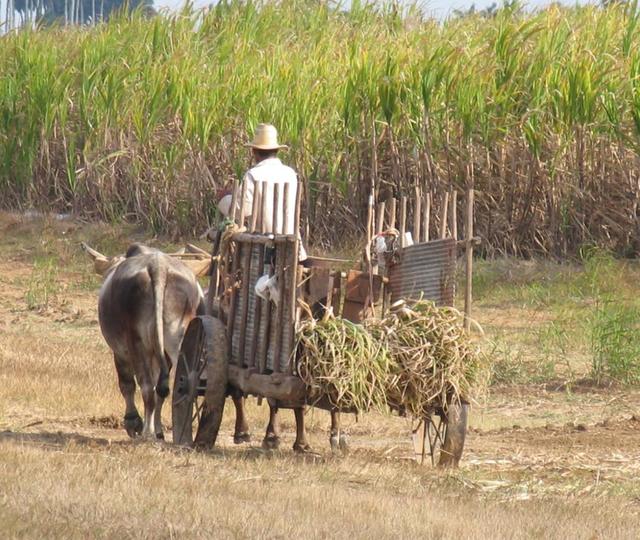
column 425, row 270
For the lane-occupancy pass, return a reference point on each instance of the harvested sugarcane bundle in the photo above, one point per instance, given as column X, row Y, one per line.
column 434, row 361
column 343, row 362
column 414, row 360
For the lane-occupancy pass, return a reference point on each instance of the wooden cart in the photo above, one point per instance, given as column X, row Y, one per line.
column 246, row 344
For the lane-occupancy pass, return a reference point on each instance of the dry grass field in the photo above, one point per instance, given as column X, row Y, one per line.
column 544, row 459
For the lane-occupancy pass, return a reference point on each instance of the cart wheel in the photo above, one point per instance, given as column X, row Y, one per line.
column 439, row 439
column 200, row 383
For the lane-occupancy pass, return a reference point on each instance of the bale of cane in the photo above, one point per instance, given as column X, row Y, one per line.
column 343, row 362
column 434, row 361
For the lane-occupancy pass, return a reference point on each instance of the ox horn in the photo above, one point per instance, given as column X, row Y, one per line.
column 92, row 252
column 101, row 263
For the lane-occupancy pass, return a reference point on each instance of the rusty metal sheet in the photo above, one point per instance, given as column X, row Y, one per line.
column 425, row 270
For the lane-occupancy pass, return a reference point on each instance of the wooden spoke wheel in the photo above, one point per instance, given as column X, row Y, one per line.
column 439, row 438
column 200, row 383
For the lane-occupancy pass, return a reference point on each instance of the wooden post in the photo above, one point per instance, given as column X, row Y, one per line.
column 454, row 214
column 285, row 207
column 279, row 315
column 232, row 303
column 380, row 219
column 234, row 201
column 469, row 259
column 263, row 207
column 255, row 206
column 260, row 303
column 244, row 295
column 417, row 216
column 258, row 315
column 274, row 217
column 443, row 220
column 329, row 302
column 392, row 214
column 296, row 216
column 243, row 197
column 295, row 269
column 403, row 220
column 426, row 216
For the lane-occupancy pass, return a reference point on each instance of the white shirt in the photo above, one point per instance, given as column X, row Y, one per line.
column 264, row 176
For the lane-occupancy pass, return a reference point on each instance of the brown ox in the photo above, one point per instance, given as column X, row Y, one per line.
column 146, row 303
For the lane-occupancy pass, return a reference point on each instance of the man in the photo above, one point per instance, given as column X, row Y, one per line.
column 266, row 173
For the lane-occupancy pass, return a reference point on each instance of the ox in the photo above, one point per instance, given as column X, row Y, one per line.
column 146, row 302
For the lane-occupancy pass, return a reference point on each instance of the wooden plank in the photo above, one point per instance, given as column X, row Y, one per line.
column 469, row 260
column 443, row 217
column 273, row 386
column 265, row 240
column 285, row 213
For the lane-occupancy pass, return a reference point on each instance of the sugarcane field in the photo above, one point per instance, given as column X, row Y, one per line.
column 285, row 269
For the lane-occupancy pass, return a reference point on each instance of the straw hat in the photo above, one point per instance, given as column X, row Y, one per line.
column 266, row 138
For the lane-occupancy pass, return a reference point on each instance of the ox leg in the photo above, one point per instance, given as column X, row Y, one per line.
column 146, row 378
column 337, row 437
column 271, row 439
column 161, row 396
column 149, row 400
column 127, row 384
column 241, row 432
column 301, row 444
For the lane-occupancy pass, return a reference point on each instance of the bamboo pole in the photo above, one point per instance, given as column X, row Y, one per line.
column 443, row 220
column 454, row 214
column 403, row 220
column 426, row 217
column 469, row 260
column 392, row 213
column 416, row 216
column 380, row 220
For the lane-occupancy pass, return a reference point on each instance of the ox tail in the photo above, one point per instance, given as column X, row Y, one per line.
column 158, row 274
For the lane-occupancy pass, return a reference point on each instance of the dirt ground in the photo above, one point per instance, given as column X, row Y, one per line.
column 541, row 461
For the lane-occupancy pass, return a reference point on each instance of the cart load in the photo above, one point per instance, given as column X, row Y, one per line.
column 415, row 360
